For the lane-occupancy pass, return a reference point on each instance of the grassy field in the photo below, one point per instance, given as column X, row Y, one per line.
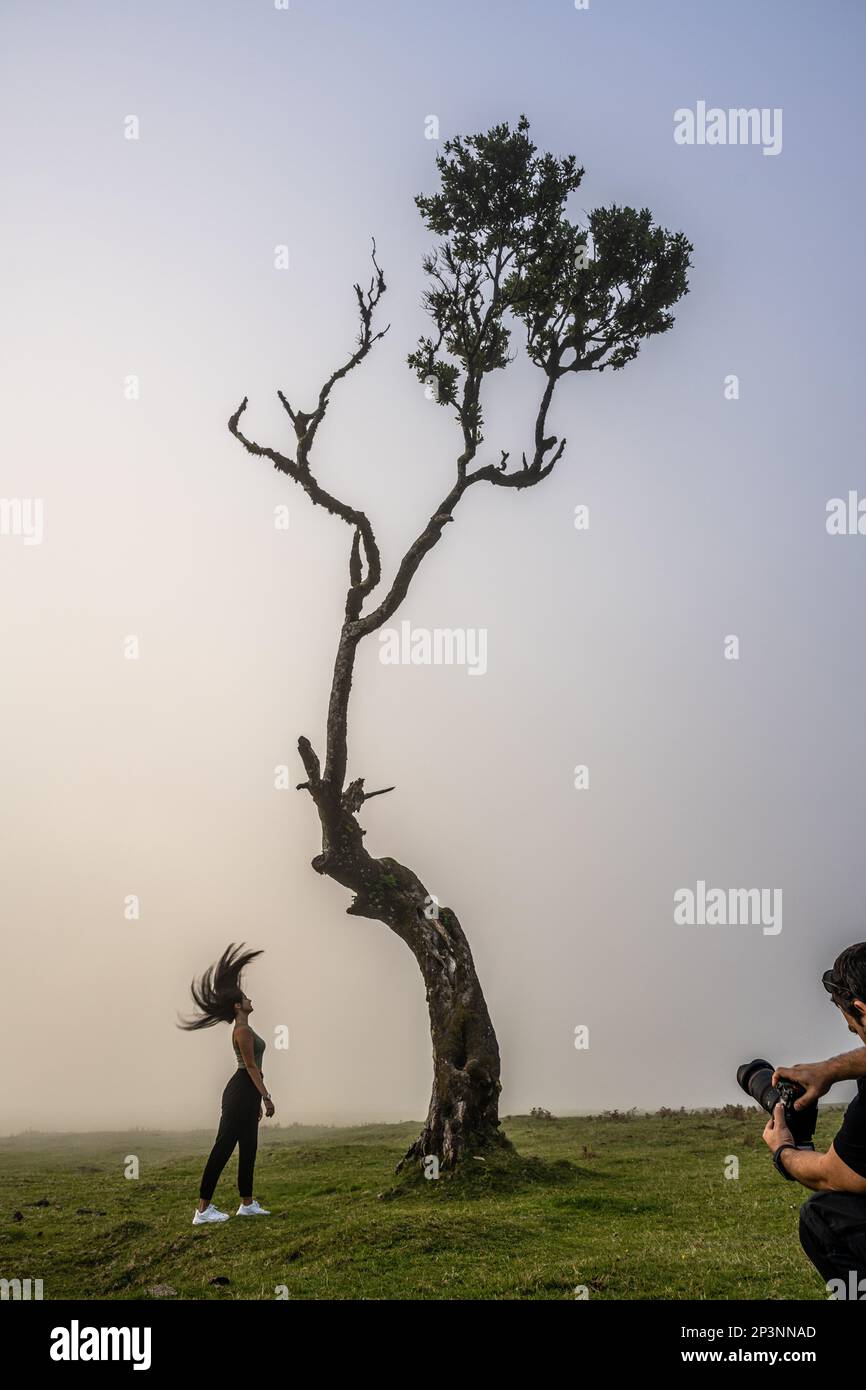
column 631, row 1206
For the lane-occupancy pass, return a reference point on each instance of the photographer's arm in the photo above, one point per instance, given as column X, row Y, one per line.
column 821, row 1172
column 818, row 1077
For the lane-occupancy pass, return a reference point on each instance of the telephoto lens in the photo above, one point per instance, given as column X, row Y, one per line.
column 756, row 1079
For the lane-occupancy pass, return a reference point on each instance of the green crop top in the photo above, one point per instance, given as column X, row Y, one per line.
column 258, row 1052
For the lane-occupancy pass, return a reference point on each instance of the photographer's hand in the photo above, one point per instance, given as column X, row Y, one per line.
column 820, row 1172
column 817, row 1077
column 776, row 1132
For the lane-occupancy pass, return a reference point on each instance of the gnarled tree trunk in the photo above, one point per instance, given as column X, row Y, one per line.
column 463, row 1117
column 464, row 1104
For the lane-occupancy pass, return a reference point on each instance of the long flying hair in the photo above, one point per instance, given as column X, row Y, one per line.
column 218, row 990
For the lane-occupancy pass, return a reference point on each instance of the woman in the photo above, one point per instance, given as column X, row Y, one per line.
column 220, row 999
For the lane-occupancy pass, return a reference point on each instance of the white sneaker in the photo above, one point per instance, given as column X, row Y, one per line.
column 252, row 1210
column 209, row 1214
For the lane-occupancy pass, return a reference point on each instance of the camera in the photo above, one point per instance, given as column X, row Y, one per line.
column 756, row 1079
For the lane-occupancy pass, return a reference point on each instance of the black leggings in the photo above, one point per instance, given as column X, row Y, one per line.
column 239, row 1124
column 833, row 1235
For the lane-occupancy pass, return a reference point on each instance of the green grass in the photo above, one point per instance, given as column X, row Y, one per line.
column 633, row 1207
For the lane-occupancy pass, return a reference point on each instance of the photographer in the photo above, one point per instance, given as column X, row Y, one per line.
column 832, row 1223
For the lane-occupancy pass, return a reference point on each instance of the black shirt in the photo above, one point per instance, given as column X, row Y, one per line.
column 850, row 1142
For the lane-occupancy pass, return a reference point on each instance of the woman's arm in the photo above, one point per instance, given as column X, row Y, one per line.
column 244, row 1038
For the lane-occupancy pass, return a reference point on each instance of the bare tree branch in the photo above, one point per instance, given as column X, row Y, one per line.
column 306, row 424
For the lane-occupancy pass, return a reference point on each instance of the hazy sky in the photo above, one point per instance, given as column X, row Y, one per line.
column 154, row 258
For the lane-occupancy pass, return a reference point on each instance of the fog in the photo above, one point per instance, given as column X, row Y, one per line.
column 165, row 643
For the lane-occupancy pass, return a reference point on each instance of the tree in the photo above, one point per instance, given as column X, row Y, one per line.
column 585, row 298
